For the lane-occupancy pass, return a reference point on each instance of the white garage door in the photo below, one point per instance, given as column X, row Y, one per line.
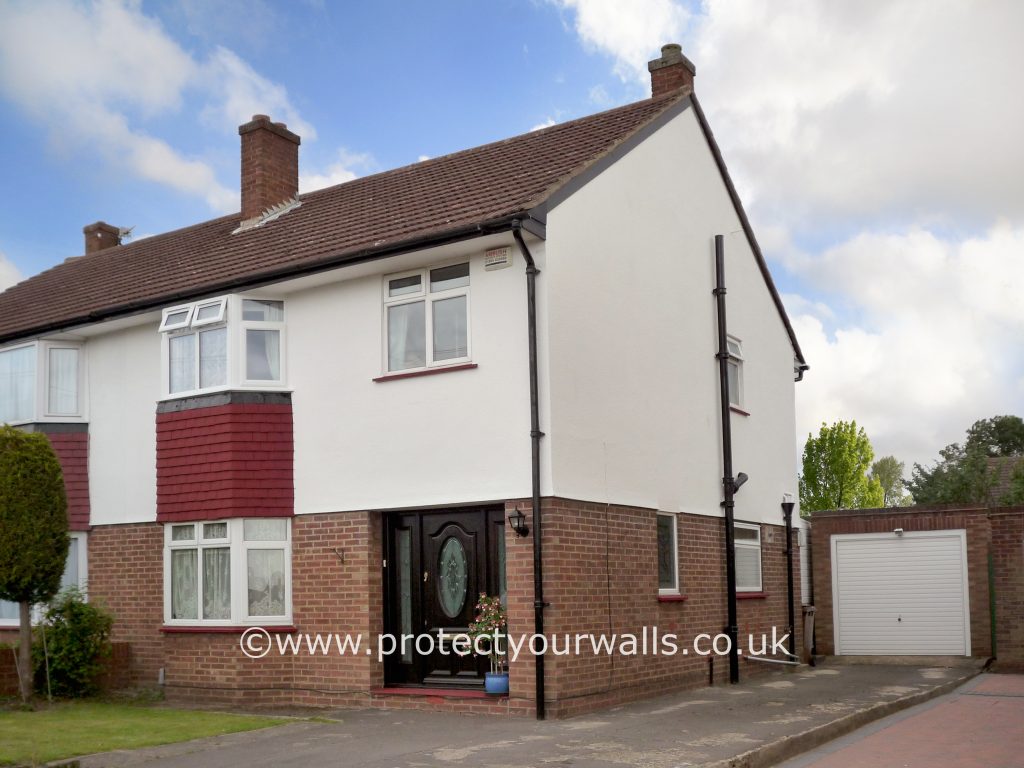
column 901, row 595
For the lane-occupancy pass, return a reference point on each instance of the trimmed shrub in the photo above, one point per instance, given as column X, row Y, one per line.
column 77, row 642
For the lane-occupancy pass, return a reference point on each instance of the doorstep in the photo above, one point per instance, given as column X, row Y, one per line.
column 448, row 700
column 447, row 693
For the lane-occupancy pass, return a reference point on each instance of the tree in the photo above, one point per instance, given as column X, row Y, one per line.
column 33, row 531
column 835, row 470
column 888, row 471
column 1014, row 495
column 963, row 473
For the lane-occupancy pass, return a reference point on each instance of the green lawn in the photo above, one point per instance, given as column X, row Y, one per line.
column 81, row 728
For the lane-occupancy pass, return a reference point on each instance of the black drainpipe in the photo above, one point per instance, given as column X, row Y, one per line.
column 535, row 436
column 787, row 513
column 728, row 481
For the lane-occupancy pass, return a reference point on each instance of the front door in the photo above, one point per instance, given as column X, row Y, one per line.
column 437, row 565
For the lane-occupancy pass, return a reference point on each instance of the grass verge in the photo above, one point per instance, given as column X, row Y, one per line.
column 83, row 727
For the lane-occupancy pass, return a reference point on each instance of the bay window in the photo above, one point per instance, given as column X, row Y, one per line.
column 230, row 341
column 426, row 318
column 228, row 572
column 41, row 381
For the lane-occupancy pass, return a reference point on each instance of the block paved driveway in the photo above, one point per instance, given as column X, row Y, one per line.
column 981, row 724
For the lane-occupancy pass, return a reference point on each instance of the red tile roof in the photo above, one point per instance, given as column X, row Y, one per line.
column 447, row 195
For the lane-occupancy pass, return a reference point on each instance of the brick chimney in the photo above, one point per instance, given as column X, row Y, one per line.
column 672, row 71
column 270, row 165
column 100, row 236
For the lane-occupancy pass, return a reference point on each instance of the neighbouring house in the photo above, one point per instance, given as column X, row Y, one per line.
column 944, row 580
column 318, row 415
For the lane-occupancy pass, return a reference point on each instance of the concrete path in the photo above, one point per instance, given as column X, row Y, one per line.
column 980, row 725
column 757, row 723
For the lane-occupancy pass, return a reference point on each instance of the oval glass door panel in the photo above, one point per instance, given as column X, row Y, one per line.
column 451, row 583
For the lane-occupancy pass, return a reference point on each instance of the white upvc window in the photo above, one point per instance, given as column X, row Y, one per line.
column 228, row 572
column 426, row 318
column 747, row 538
column 668, row 554
column 76, row 574
column 42, row 381
column 735, row 371
column 224, row 342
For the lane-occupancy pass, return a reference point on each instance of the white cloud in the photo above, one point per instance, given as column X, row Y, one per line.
column 599, row 95
column 94, row 73
column 346, row 166
column 541, row 126
column 632, row 33
column 421, row 158
column 9, row 274
column 932, row 349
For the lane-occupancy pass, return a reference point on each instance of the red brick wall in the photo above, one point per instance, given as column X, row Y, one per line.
column 72, row 449
column 1008, row 571
column 972, row 519
column 600, row 576
column 270, row 165
column 126, row 577
column 225, row 461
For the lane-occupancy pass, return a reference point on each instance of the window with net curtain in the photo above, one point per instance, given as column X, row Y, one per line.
column 427, row 318
column 20, row 368
column 73, row 577
column 231, row 571
column 18, row 384
column 747, row 538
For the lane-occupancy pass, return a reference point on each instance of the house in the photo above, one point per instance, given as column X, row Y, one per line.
column 319, row 414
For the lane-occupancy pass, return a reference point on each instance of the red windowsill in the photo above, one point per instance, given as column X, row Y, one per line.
column 448, row 693
column 671, row 598
column 175, row 630
column 751, row 595
column 740, row 411
column 427, row 372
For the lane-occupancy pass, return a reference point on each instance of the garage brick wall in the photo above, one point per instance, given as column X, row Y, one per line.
column 975, row 520
column 1008, row 571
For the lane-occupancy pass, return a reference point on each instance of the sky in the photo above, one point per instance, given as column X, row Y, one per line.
column 876, row 146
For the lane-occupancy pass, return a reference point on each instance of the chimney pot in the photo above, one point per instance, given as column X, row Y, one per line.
column 270, row 165
column 99, row 236
column 672, row 71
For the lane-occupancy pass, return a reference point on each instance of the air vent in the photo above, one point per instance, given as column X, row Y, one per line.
column 498, row 258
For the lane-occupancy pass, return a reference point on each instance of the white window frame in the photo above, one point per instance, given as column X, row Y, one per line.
column 260, row 325
column 428, row 298
column 736, row 359
column 674, row 589
column 229, row 316
column 82, row 579
column 40, row 411
column 751, row 546
column 239, row 547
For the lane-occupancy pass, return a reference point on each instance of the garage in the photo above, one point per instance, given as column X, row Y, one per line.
column 901, row 593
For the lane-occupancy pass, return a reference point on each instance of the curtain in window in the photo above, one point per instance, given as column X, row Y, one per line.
column 184, row 584
column 182, row 362
column 450, row 337
column 748, row 568
column 70, row 577
column 217, row 583
column 266, row 582
column 63, row 384
column 213, row 358
column 407, row 336
column 17, row 384
column 262, row 355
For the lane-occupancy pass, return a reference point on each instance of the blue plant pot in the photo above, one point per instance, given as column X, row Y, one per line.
column 496, row 684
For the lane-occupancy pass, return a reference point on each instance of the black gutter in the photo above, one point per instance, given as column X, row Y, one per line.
column 535, row 436
column 728, row 481
column 280, row 274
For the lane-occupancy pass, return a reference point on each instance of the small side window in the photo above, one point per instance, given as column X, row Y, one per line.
column 668, row 555
column 176, row 317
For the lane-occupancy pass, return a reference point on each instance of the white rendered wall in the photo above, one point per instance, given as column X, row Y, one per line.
column 124, row 384
column 635, row 415
column 440, row 439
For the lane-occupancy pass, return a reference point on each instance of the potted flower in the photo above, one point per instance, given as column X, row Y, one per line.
column 489, row 631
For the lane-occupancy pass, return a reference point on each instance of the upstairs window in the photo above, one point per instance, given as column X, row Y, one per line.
column 41, row 381
column 223, row 342
column 735, row 371
column 426, row 318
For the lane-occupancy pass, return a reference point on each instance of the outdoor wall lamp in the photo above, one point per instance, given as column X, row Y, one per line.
column 518, row 522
